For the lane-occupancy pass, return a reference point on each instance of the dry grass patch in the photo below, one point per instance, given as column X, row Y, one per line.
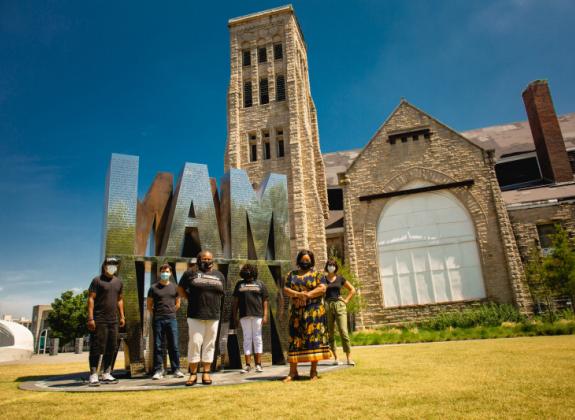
column 517, row 378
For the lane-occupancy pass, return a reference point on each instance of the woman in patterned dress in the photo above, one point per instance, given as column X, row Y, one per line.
column 308, row 341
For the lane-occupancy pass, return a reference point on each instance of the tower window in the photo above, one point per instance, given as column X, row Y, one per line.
column 247, row 94
column 253, row 147
column 280, row 88
column 280, row 142
column 262, row 55
column 264, row 96
column 267, row 150
column 278, row 52
column 247, row 57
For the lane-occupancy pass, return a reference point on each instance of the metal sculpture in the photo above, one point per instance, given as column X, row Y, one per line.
column 239, row 225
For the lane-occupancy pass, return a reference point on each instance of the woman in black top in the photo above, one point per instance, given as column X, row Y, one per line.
column 336, row 309
column 251, row 301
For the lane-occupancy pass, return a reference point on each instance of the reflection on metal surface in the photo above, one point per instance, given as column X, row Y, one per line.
column 192, row 207
column 256, row 217
column 253, row 224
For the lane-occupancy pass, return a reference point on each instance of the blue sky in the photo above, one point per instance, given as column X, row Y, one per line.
column 80, row 80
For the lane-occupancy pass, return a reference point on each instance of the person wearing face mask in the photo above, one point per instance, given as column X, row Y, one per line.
column 105, row 303
column 163, row 302
column 336, row 309
column 204, row 290
column 307, row 333
column 251, row 301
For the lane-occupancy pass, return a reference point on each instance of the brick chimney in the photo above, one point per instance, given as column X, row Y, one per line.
column 549, row 144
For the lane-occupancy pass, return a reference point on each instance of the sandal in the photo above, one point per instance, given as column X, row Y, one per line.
column 206, row 381
column 290, row 378
column 190, row 381
column 313, row 376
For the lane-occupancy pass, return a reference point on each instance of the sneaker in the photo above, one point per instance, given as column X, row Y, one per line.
column 336, row 362
column 158, row 375
column 247, row 369
column 94, row 381
column 350, row 362
column 179, row 374
column 259, row 369
column 107, row 378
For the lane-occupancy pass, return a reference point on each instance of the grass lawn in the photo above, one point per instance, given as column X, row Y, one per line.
column 521, row 377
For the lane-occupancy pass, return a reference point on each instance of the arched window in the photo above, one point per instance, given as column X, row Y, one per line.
column 428, row 251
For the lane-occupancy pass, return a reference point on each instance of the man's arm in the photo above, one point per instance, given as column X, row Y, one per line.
column 265, row 318
column 121, row 309
column 150, row 304
column 91, row 322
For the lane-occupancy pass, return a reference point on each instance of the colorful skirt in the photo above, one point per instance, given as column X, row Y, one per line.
column 307, row 331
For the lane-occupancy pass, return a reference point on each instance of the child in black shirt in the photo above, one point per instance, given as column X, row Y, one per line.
column 251, row 299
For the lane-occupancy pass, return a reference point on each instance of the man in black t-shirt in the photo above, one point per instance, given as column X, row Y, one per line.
column 251, row 299
column 204, row 291
column 163, row 302
column 105, row 301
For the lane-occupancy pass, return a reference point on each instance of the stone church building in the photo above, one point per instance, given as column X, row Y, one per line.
column 428, row 219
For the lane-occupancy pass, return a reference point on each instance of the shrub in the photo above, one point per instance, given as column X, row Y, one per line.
column 491, row 314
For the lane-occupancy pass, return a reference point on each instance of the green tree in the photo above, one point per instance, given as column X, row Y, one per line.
column 559, row 265
column 69, row 316
column 537, row 281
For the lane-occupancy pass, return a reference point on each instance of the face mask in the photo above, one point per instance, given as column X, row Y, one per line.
column 245, row 275
column 206, row 265
column 305, row 265
column 111, row 269
column 165, row 276
column 331, row 268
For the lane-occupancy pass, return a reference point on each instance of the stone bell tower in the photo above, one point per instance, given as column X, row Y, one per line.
column 272, row 120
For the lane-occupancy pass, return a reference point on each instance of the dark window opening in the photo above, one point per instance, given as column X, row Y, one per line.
column 406, row 136
column 281, row 151
column 280, row 88
column 517, row 171
column 247, row 57
column 247, row 94
column 262, row 55
column 278, row 52
column 252, row 137
column 571, row 155
column 253, row 152
column 264, row 96
column 545, row 233
column 267, row 150
column 335, row 198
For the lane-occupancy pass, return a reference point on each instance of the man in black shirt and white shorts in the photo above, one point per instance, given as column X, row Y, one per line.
column 204, row 291
column 105, row 302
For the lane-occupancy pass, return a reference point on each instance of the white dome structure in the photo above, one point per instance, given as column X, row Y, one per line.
column 16, row 342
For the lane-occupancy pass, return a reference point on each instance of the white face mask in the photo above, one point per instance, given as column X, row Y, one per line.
column 331, row 268
column 111, row 269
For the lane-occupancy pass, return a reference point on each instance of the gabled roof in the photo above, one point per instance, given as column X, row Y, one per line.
column 404, row 103
column 506, row 140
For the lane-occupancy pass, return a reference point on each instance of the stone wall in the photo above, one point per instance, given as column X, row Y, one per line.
column 525, row 220
column 444, row 157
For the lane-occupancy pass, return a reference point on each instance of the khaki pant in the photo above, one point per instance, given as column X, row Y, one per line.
column 337, row 313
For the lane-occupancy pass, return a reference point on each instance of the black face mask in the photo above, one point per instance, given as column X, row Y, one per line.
column 305, row 265
column 246, row 275
column 206, row 265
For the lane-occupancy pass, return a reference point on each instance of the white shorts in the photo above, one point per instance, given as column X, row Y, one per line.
column 252, row 332
column 202, row 333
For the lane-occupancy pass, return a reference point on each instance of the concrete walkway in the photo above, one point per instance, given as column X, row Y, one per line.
column 78, row 382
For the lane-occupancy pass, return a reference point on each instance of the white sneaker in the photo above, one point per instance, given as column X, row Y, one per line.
column 350, row 362
column 247, row 369
column 158, row 375
column 335, row 362
column 107, row 378
column 94, row 381
column 179, row 374
column 259, row 369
